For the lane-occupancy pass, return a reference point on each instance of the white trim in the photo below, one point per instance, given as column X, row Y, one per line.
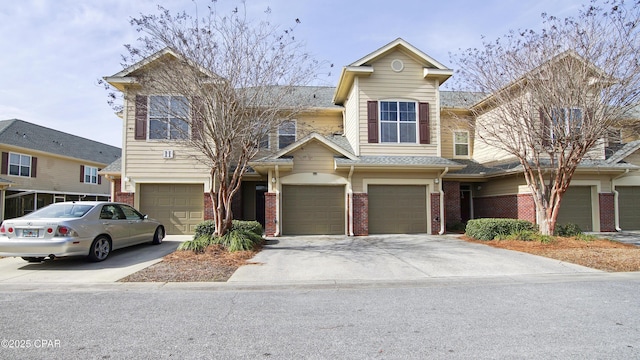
column 468, row 143
column 398, row 122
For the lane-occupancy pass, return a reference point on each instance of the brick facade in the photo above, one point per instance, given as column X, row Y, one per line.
column 208, row 207
column 270, row 226
column 360, row 214
column 123, row 197
column 435, row 213
column 452, row 202
column 607, row 212
column 519, row 206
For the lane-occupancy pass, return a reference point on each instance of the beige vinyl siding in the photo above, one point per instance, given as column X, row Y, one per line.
column 502, row 186
column 56, row 174
column 633, row 158
column 144, row 159
column 351, row 118
column 451, row 124
column 313, row 157
column 483, row 152
column 325, row 123
column 386, row 84
column 360, row 177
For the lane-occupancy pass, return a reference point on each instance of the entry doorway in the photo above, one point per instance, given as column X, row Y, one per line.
column 465, row 203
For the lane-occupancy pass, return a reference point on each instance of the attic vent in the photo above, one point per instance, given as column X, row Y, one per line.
column 397, row 65
column 167, row 154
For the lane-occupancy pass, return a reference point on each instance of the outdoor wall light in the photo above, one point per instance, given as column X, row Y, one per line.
column 436, row 180
column 273, row 180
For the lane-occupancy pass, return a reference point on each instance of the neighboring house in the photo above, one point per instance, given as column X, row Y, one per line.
column 41, row 166
column 385, row 151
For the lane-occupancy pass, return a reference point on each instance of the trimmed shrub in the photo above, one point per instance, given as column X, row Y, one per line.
column 240, row 240
column 568, row 230
column 207, row 227
column 489, row 229
column 251, row 226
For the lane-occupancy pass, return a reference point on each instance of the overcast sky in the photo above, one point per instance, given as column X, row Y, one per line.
column 54, row 51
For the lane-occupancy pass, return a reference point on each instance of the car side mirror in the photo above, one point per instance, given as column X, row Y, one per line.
column 145, row 217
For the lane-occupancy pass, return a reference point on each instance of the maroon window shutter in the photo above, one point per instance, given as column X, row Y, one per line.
column 81, row 173
column 372, row 121
column 141, row 118
column 423, row 123
column 99, row 178
column 5, row 163
column 34, row 166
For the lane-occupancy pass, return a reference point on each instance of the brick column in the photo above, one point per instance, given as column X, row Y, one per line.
column 360, row 214
column 270, row 214
column 607, row 212
column 123, row 197
column 435, row 213
column 208, row 207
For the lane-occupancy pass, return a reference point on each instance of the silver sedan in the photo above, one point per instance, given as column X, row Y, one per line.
column 86, row 228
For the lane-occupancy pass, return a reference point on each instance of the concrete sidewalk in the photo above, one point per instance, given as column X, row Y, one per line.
column 389, row 258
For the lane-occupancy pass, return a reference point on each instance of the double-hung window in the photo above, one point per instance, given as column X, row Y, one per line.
column 90, row 175
column 168, row 117
column 19, row 165
column 567, row 121
column 286, row 133
column 398, row 122
column 461, row 144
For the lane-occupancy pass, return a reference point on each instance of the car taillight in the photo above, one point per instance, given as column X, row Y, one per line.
column 65, row 231
column 2, row 230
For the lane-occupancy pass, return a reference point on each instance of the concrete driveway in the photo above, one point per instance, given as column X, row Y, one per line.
column 389, row 258
column 120, row 263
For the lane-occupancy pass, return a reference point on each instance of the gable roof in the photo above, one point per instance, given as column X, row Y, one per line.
column 35, row 137
column 331, row 144
column 362, row 67
column 626, row 150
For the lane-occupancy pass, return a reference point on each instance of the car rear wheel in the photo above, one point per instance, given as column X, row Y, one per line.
column 158, row 236
column 100, row 249
column 33, row 259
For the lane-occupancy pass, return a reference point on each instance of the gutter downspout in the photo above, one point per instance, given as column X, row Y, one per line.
column 616, row 194
column 350, row 200
column 442, row 211
column 277, row 191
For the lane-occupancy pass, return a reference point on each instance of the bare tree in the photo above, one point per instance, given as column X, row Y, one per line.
column 232, row 81
column 553, row 94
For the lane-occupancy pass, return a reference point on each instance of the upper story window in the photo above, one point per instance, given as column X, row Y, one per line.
column 568, row 120
column 398, row 122
column 90, row 175
column 264, row 142
column 19, row 165
column 461, row 144
column 167, row 116
column 286, row 133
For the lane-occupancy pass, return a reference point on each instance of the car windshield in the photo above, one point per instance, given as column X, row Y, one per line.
column 61, row 211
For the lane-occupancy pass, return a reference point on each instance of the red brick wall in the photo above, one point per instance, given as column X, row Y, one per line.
column 507, row 206
column 435, row 213
column 270, row 214
column 123, row 197
column 360, row 214
column 607, row 212
column 452, row 202
column 208, row 207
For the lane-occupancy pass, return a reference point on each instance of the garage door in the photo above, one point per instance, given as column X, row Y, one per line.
column 576, row 208
column 397, row 209
column 180, row 207
column 629, row 207
column 313, row 210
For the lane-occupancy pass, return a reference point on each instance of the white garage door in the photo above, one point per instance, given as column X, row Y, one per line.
column 180, row 207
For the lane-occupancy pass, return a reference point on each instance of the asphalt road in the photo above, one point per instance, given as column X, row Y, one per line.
column 580, row 316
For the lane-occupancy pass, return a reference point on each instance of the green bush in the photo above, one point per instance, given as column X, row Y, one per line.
column 207, row 227
column 567, row 230
column 240, row 240
column 197, row 245
column 489, row 229
column 251, row 226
